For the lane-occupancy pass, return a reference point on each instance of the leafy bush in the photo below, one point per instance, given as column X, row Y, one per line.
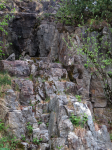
column 37, row 141
column 74, row 11
column 75, row 120
column 29, row 128
column 78, row 121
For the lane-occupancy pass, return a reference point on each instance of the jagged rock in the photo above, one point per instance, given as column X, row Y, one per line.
column 15, row 68
column 57, row 143
column 3, row 108
column 11, row 57
column 26, row 90
column 44, row 135
column 29, row 115
column 44, row 146
column 40, row 88
column 11, row 99
column 50, row 88
column 97, row 92
column 36, row 133
column 16, row 122
column 65, row 126
column 60, row 73
column 43, row 126
column 48, row 37
column 33, row 69
column 52, row 125
column 45, row 117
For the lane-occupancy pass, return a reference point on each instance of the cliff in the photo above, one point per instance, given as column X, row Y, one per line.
column 53, row 101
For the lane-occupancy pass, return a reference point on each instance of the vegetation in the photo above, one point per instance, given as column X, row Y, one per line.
column 59, row 147
column 78, row 97
column 23, row 138
column 8, row 142
column 77, row 121
column 111, row 137
column 29, row 128
column 5, row 82
column 78, row 12
column 37, row 141
column 4, row 20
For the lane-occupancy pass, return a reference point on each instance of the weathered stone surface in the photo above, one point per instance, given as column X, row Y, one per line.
column 97, row 93
column 3, row 109
column 15, row 68
column 11, row 99
column 16, row 123
column 48, row 38
column 11, row 57
column 28, row 115
column 26, row 90
column 44, row 146
column 64, row 127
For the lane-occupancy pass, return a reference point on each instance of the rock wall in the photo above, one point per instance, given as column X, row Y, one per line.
column 58, row 75
column 43, row 97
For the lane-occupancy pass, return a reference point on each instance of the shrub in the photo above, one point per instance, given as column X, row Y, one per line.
column 79, row 11
column 77, row 121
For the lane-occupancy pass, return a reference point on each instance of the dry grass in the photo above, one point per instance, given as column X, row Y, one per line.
column 70, row 105
column 5, row 83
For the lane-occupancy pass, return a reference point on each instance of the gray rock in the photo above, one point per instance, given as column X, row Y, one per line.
column 11, row 99
column 44, row 135
column 25, row 87
column 42, row 126
column 44, row 146
column 15, row 68
column 16, row 123
column 11, row 57
column 36, row 133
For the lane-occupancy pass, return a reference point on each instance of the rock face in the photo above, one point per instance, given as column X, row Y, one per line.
column 47, row 103
column 47, row 79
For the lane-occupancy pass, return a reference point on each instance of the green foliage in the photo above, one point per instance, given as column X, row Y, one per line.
column 59, row 147
column 75, row 120
column 39, row 122
column 93, row 48
column 84, row 119
column 111, row 137
column 4, row 79
column 9, row 143
column 2, row 127
column 37, row 141
column 47, row 124
column 29, row 128
column 4, row 20
column 23, row 138
column 78, row 120
column 75, row 11
column 78, row 97
column 5, row 82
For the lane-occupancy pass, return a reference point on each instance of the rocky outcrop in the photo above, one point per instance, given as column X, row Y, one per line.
column 47, row 79
column 45, row 101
